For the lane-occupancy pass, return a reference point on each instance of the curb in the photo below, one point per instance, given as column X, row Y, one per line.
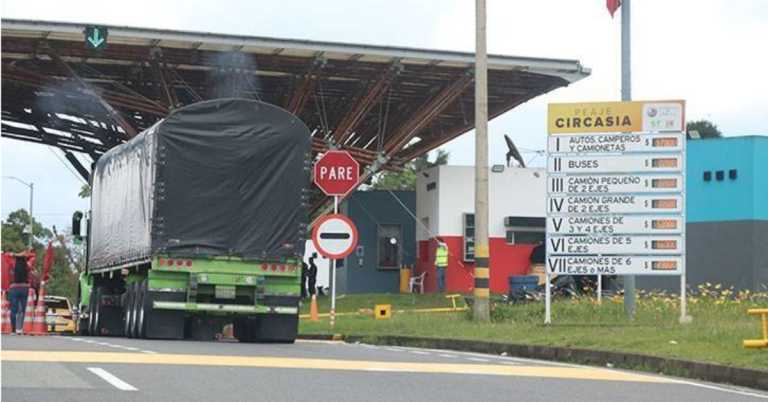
column 716, row 373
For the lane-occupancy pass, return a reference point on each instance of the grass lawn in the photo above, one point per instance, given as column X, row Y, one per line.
column 720, row 323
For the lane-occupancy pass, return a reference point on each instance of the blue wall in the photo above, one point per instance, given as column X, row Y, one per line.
column 743, row 198
column 368, row 209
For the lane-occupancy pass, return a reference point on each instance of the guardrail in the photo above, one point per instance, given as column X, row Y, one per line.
column 453, row 309
column 759, row 343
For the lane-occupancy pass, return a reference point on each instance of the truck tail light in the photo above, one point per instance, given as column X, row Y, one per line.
column 161, row 262
column 292, row 268
column 274, row 267
column 264, row 267
column 170, row 263
column 282, row 267
column 189, row 263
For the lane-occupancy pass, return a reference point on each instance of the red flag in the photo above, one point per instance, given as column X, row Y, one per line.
column 612, row 5
column 47, row 261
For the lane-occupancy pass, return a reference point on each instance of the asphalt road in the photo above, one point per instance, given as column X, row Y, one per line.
column 86, row 369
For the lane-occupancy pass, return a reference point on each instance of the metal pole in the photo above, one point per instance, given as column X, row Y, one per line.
column 599, row 289
column 684, row 319
column 333, row 271
column 31, row 224
column 548, row 299
column 482, row 267
column 626, row 95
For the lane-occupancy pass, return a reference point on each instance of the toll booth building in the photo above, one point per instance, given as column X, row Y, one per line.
column 445, row 203
column 387, row 241
column 727, row 215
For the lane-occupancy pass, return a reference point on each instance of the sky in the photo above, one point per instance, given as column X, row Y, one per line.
column 710, row 53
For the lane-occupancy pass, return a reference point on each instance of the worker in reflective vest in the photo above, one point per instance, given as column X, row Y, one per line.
column 441, row 262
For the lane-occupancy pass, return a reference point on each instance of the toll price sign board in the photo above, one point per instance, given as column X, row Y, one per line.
column 614, row 265
column 615, row 163
column 614, row 204
column 615, row 143
column 610, row 245
column 614, row 224
column 616, row 188
column 615, row 183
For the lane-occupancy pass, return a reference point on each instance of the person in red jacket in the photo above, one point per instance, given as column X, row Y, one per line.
column 19, row 272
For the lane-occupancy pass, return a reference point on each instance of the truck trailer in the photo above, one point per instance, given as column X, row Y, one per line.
column 199, row 222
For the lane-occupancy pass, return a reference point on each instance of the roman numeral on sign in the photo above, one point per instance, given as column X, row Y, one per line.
column 558, row 223
column 557, row 245
column 555, row 264
column 556, row 205
column 558, row 164
column 557, row 185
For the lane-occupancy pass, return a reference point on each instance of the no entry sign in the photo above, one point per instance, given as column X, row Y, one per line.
column 337, row 173
column 335, row 236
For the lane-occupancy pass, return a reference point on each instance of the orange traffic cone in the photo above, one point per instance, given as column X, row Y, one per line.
column 29, row 313
column 39, row 327
column 7, row 329
column 313, row 310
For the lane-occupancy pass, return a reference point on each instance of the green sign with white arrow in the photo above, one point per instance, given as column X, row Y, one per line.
column 96, row 38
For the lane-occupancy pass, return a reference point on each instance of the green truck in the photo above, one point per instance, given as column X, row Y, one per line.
column 197, row 223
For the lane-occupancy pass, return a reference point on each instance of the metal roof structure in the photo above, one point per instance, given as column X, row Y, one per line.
column 385, row 105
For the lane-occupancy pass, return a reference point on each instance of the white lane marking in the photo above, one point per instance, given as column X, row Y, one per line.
column 108, row 377
column 448, row 356
column 476, row 372
column 722, row 389
column 394, row 350
column 390, row 370
column 129, row 348
column 509, row 363
column 369, row 346
column 149, row 351
column 477, row 359
column 418, row 352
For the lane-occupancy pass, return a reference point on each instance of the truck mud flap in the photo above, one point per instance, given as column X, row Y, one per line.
column 110, row 316
column 277, row 328
column 164, row 324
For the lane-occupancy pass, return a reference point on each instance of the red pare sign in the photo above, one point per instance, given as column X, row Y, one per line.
column 337, row 173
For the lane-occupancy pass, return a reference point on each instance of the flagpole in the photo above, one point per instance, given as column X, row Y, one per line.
column 626, row 95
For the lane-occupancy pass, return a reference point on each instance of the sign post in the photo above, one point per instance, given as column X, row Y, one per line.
column 336, row 173
column 616, row 191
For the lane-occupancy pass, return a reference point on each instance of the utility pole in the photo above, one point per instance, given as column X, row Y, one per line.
column 31, row 187
column 482, row 271
column 626, row 95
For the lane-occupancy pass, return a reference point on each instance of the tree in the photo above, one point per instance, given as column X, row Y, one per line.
column 85, row 191
column 406, row 180
column 15, row 238
column 705, row 128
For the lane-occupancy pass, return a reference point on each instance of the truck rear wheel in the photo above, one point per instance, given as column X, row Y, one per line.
column 93, row 322
column 141, row 292
column 135, row 306
column 128, row 309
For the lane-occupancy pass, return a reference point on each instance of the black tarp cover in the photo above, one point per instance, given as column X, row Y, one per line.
column 221, row 177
